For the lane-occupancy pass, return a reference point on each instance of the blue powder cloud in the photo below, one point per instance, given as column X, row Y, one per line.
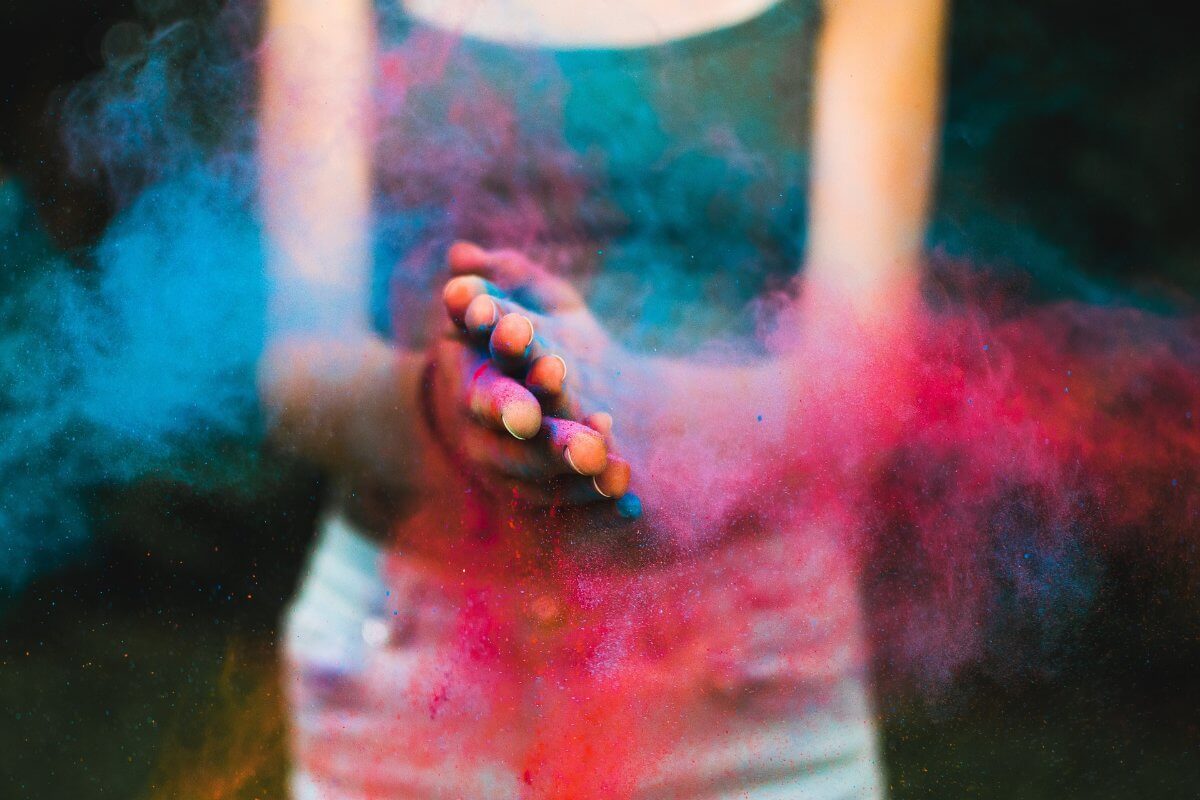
column 136, row 367
column 135, row 357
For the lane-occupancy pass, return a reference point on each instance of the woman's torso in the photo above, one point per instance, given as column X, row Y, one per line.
column 677, row 169
column 672, row 176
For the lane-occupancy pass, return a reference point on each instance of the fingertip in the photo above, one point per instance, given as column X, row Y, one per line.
column 466, row 257
column 601, row 421
column 547, row 375
column 521, row 417
column 482, row 313
column 512, row 336
column 586, row 453
column 459, row 293
column 613, row 481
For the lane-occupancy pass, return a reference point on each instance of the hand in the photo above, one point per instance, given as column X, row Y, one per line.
column 520, row 377
column 351, row 403
column 532, row 356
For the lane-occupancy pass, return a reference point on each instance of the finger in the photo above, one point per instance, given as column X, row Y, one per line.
column 509, row 268
column 547, row 377
column 515, row 273
column 537, row 462
column 458, row 293
column 464, row 257
column 516, row 347
column 508, row 459
column 577, row 447
column 485, row 312
column 512, row 338
column 613, row 482
column 600, row 421
column 501, row 403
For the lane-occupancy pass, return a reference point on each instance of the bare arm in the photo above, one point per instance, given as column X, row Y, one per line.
column 336, row 392
column 315, row 158
column 876, row 118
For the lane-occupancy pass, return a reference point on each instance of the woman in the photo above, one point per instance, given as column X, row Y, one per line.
column 650, row 97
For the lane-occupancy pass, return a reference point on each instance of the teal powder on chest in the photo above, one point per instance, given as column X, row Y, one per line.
column 676, row 173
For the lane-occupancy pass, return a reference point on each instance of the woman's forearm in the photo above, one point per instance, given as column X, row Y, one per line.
column 876, row 116
column 315, row 163
column 334, row 391
column 349, row 404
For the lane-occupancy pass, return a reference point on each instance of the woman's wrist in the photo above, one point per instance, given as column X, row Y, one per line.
column 352, row 407
column 402, row 463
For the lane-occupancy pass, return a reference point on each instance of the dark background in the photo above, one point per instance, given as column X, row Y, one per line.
column 144, row 668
